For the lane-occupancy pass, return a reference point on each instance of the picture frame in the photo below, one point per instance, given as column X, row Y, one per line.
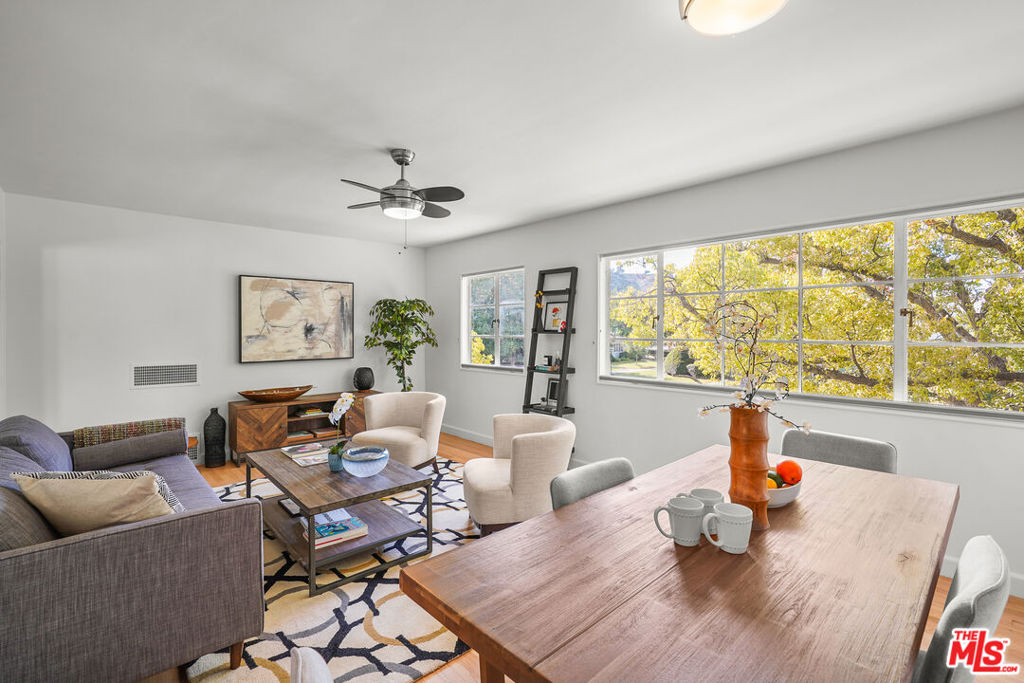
column 554, row 316
column 290, row 319
column 552, row 393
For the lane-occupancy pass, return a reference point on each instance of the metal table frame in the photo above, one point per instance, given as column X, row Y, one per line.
column 311, row 566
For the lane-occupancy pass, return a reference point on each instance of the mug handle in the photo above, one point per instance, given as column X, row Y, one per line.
column 658, row 524
column 707, row 533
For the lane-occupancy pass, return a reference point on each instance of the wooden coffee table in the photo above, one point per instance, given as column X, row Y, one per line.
column 315, row 489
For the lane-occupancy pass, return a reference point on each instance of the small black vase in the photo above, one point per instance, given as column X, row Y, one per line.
column 362, row 379
column 213, row 438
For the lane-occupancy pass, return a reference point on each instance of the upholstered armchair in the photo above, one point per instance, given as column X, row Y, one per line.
column 515, row 485
column 408, row 424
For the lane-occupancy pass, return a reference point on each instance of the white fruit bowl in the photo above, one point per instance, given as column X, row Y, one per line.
column 783, row 496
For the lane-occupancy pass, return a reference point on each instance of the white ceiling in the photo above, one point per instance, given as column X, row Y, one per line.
column 248, row 111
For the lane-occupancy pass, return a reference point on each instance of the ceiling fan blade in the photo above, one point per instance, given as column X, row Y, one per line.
column 364, row 206
column 435, row 211
column 362, row 185
column 441, row 194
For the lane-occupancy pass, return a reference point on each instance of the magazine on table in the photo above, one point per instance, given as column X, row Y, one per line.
column 315, row 448
column 307, row 460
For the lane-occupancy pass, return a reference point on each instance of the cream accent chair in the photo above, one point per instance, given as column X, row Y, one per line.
column 515, row 485
column 407, row 423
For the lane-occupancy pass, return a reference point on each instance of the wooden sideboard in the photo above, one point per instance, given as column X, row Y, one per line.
column 254, row 426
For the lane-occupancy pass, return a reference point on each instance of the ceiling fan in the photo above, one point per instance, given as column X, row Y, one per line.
column 405, row 202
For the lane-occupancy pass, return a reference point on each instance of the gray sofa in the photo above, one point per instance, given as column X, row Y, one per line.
column 129, row 601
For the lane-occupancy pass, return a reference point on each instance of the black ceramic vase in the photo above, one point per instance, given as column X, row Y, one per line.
column 362, row 379
column 213, row 438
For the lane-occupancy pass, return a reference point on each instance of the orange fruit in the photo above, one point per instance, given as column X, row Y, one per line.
column 789, row 471
column 772, row 484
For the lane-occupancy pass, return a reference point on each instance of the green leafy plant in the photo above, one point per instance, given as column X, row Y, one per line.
column 400, row 327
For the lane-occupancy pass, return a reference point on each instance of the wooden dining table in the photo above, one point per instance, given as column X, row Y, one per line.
column 838, row 589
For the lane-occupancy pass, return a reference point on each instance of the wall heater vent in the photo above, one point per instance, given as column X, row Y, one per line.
column 181, row 374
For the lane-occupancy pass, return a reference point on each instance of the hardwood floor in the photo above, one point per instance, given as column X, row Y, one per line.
column 466, row 669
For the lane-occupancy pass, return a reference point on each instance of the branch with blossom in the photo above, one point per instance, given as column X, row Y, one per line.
column 337, row 416
column 737, row 328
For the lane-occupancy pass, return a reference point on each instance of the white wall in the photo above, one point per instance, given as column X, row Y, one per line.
column 973, row 160
column 3, row 302
column 93, row 289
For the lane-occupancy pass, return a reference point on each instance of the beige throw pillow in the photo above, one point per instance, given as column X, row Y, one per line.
column 75, row 505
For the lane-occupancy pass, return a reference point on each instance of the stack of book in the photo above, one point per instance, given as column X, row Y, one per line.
column 311, row 412
column 334, row 527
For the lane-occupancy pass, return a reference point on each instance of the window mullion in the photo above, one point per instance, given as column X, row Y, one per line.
column 659, row 322
column 900, row 333
column 800, row 314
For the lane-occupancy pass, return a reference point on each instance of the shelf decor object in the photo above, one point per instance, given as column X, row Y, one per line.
column 275, row 395
column 213, row 439
column 738, row 327
column 362, row 379
column 552, row 315
column 294, row 319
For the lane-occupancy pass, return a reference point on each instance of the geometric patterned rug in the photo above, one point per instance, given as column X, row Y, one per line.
column 367, row 630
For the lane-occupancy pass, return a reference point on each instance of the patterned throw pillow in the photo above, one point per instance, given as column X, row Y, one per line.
column 75, row 502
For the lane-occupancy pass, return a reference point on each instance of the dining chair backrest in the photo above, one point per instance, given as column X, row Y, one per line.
column 580, row 482
column 977, row 598
column 839, row 449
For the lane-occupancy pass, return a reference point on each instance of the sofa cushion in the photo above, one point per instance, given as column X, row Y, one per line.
column 76, row 502
column 35, row 440
column 20, row 523
column 13, row 461
column 130, row 450
column 182, row 476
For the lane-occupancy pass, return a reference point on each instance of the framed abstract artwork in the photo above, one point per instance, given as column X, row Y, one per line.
column 284, row 319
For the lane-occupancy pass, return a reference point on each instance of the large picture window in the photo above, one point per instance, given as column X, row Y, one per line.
column 926, row 309
column 494, row 305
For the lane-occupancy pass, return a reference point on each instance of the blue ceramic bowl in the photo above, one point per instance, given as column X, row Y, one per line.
column 365, row 461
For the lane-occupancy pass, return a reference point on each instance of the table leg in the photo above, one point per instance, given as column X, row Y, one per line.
column 248, row 480
column 490, row 673
column 312, row 556
column 430, row 518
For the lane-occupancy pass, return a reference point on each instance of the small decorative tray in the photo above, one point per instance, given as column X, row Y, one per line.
column 275, row 395
column 365, row 453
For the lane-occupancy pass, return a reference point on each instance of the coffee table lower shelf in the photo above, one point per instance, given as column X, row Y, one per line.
column 384, row 525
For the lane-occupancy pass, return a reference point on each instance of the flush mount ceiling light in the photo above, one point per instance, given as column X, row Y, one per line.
column 726, row 17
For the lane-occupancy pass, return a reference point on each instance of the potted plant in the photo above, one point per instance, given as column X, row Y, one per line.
column 738, row 328
column 400, row 327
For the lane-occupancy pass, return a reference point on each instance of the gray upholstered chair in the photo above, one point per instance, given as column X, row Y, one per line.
column 407, row 423
column 515, row 485
column 577, row 484
column 840, row 449
column 977, row 598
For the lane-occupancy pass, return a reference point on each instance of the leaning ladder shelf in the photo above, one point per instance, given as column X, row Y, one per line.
column 567, row 294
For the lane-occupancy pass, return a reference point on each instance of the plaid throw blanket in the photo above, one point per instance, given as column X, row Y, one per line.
column 91, row 436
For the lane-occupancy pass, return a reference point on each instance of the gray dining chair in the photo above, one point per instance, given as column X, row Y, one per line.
column 839, row 449
column 580, row 482
column 977, row 598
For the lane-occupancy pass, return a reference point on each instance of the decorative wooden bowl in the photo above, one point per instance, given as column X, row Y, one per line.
column 275, row 395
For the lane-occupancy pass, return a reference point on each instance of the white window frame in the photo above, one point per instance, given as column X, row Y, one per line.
column 465, row 323
column 900, row 338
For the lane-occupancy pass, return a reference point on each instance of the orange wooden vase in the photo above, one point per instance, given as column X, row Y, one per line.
column 748, row 462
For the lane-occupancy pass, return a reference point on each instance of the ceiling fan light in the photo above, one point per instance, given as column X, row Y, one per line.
column 727, row 17
column 402, row 208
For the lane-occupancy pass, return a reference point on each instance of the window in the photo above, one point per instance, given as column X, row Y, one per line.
column 494, row 305
column 926, row 309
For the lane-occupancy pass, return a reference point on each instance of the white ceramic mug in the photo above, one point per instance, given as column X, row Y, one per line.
column 734, row 523
column 710, row 498
column 684, row 514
